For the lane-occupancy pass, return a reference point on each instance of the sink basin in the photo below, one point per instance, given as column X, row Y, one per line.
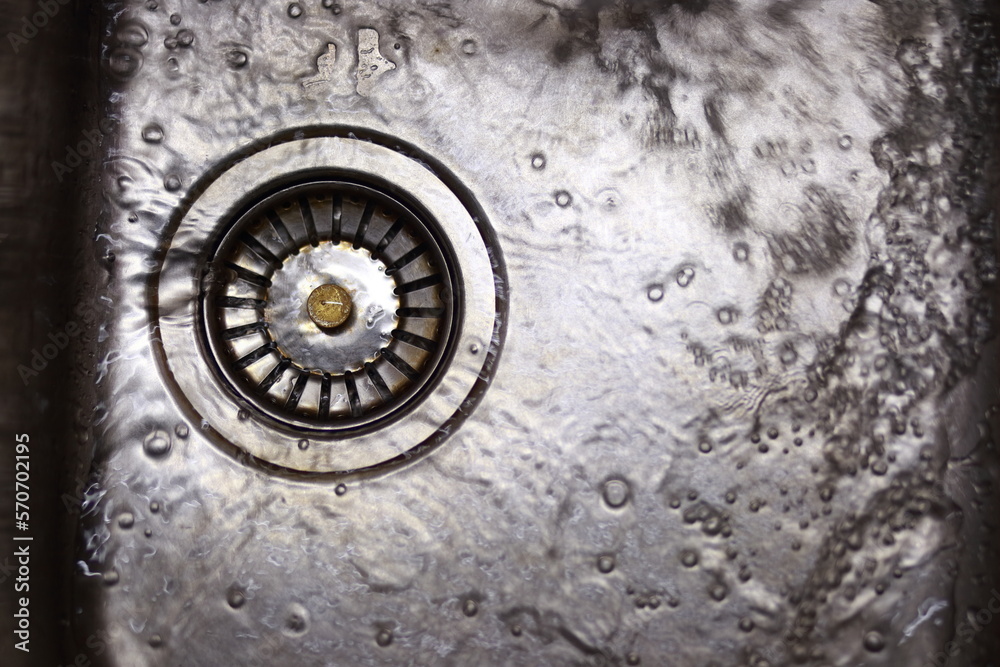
column 526, row 333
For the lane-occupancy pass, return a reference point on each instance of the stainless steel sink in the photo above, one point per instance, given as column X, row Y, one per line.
column 525, row 333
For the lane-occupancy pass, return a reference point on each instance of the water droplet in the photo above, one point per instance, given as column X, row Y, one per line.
column 111, row 577
column 132, row 34
column 303, row 444
column 172, row 183
column 538, row 161
column 470, row 608
column 874, row 642
column 605, row 564
column 185, row 38
column 516, row 630
column 880, row 467
column 746, row 624
column 152, row 134
column 133, row 217
column 383, row 638
column 788, row 355
column 704, row 447
column 741, row 252
column 327, row 4
column 689, row 557
column 170, row 42
column 295, row 10
column 609, row 199
column 633, row 659
column 148, row 532
column 157, row 444
column 296, row 620
column 126, row 520
column 845, row 142
column 154, row 507
column 340, row 489
column 616, row 493
column 563, row 199
column 469, row 47
column 236, row 59
column 181, row 430
column 718, row 591
column 655, row 292
column 726, row 315
column 474, row 349
column 156, row 641
column 124, row 63
column 685, row 276
column 235, row 597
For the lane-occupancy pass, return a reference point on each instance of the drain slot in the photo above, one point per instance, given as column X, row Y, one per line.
column 330, row 316
column 331, row 291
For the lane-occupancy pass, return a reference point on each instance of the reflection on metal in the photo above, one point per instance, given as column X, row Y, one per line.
column 371, row 63
column 710, row 377
column 316, row 254
column 329, row 306
column 326, row 64
column 408, row 360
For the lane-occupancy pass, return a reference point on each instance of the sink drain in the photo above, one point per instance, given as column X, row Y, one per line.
column 328, row 305
column 330, row 302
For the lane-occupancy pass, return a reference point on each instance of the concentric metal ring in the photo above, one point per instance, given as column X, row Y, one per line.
column 348, row 239
column 252, row 406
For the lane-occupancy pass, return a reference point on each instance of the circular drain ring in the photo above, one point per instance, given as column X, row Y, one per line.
column 339, row 221
column 229, row 417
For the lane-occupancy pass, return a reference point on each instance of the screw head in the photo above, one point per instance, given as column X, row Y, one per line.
column 329, row 306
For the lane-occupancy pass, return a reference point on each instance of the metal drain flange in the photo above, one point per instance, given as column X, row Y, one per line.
column 327, row 305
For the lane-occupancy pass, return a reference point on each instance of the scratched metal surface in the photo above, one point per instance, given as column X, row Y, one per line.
column 41, row 95
column 741, row 413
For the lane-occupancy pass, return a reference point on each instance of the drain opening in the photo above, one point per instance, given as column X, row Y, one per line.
column 330, row 304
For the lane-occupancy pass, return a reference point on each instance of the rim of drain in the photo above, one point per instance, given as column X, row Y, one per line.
column 392, row 283
column 249, row 405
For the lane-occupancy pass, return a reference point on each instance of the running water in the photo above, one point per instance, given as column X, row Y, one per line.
column 742, row 413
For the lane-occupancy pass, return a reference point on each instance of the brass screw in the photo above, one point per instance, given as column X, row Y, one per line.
column 329, row 306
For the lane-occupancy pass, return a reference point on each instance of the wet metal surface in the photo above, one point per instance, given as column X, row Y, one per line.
column 723, row 388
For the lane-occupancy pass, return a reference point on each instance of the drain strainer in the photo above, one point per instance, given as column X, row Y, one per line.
column 328, row 305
